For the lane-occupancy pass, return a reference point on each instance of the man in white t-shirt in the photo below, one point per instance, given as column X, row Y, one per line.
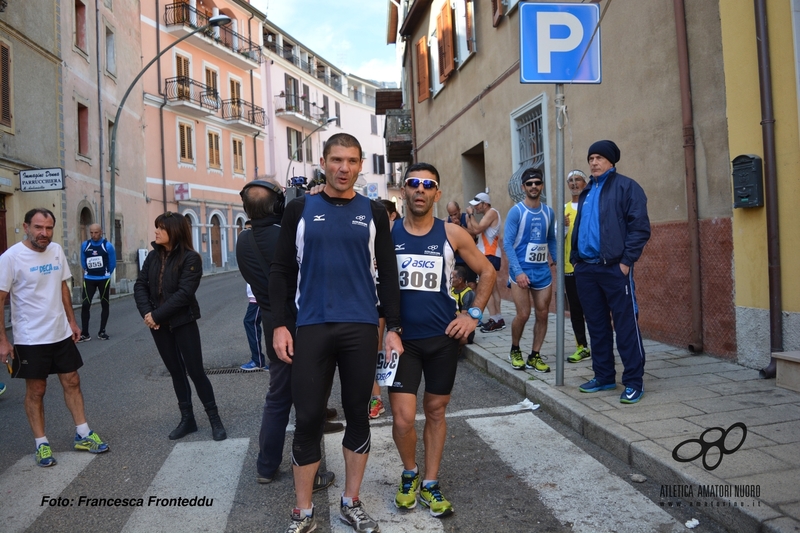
column 35, row 273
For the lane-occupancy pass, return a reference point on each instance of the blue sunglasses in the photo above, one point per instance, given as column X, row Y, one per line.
column 426, row 184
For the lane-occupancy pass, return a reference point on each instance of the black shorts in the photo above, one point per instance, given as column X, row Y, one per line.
column 37, row 361
column 436, row 357
column 495, row 261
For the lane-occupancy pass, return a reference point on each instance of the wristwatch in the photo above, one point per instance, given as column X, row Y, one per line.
column 475, row 313
column 397, row 329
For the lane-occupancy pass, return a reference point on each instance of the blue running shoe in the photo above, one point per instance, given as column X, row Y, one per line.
column 594, row 386
column 250, row 366
column 44, row 456
column 631, row 395
column 2, row 388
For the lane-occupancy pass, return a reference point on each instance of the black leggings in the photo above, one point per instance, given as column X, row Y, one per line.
column 89, row 286
column 575, row 310
column 318, row 349
column 181, row 352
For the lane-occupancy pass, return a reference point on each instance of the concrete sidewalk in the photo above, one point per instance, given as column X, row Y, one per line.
column 756, row 488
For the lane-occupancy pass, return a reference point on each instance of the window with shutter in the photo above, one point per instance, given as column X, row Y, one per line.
column 80, row 25
column 83, row 130
column 236, row 98
column 497, row 12
column 182, row 70
column 238, row 156
column 423, row 81
column 373, row 122
column 440, row 46
column 213, row 150
column 470, row 23
column 185, row 131
column 338, row 111
column 446, row 53
column 5, row 85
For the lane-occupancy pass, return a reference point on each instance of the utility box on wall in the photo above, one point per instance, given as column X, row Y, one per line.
column 748, row 185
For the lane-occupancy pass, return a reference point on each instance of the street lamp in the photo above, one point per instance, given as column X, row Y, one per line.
column 216, row 20
column 307, row 137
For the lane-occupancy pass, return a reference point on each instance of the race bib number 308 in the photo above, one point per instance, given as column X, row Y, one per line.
column 420, row 272
column 536, row 253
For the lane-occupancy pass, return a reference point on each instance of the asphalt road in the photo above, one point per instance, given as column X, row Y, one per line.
column 505, row 468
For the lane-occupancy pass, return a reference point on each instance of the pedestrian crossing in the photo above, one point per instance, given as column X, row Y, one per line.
column 555, row 468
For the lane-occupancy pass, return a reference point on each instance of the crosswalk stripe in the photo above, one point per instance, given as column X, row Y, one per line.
column 378, row 487
column 575, row 486
column 204, row 469
column 24, row 486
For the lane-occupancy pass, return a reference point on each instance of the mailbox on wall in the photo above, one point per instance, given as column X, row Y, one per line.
column 748, row 187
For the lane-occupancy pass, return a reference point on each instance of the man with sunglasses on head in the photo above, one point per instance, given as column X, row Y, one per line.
column 432, row 330
column 331, row 247
column 487, row 231
column 530, row 245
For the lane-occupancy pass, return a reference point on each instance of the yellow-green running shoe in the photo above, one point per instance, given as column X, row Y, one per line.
column 517, row 362
column 535, row 362
column 580, row 354
column 431, row 497
column 44, row 456
column 91, row 443
column 406, row 497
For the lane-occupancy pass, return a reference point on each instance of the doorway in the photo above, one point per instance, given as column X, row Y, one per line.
column 216, row 241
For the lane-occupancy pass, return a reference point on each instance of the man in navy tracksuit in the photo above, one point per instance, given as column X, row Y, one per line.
column 610, row 232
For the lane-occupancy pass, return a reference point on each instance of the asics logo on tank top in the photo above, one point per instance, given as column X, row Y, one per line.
column 319, row 218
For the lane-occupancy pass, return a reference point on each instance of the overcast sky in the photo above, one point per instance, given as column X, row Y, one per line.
column 350, row 34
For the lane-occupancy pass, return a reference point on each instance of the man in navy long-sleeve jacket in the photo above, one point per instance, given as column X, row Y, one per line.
column 610, row 232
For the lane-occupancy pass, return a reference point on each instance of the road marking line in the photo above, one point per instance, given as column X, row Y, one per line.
column 193, row 469
column 23, row 486
column 575, row 486
column 378, row 488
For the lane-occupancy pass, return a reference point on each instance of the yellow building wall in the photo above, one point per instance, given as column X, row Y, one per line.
column 745, row 137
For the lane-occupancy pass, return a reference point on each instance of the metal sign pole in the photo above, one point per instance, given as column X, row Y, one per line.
column 560, row 232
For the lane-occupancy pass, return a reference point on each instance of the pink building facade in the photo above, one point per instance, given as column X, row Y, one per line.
column 204, row 118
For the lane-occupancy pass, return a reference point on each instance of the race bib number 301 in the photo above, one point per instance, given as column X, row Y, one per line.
column 94, row 262
column 420, row 272
column 536, row 253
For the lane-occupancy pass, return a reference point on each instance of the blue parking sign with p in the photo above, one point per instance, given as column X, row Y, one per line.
column 558, row 43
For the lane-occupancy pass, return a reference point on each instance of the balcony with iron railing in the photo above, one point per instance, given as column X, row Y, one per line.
column 191, row 96
column 299, row 110
column 364, row 98
column 181, row 18
column 243, row 116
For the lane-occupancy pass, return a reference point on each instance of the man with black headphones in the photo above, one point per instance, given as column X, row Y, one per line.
column 264, row 202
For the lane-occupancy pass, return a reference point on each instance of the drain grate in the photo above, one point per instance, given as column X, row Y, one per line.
column 233, row 370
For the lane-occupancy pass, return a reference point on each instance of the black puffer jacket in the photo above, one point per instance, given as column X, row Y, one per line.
column 177, row 304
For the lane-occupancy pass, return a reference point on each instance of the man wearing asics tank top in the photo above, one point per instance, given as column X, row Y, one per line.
column 432, row 328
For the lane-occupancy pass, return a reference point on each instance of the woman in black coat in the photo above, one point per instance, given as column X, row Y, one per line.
column 165, row 296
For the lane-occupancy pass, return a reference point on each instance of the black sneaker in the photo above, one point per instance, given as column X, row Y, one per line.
column 102, row 335
column 85, row 337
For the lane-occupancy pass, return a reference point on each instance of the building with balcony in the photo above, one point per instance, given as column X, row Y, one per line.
column 204, row 118
column 304, row 91
column 706, row 263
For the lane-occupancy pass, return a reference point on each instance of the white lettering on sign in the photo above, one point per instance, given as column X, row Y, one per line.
column 546, row 44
